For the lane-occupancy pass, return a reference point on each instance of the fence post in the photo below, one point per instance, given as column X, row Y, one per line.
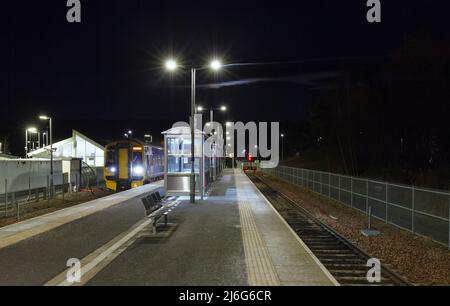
column 29, row 188
column 387, row 203
column 367, row 195
column 18, row 210
column 13, row 200
column 6, row 197
column 321, row 183
column 413, row 206
column 351, row 191
column 339, row 188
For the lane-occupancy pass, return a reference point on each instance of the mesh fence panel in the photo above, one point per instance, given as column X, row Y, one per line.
column 431, row 227
column 377, row 191
column 334, row 193
column 346, row 183
column 431, row 203
column 346, row 198
column 359, row 186
column 389, row 202
column 317, row 187
column 400, row 216
column 401, row 196
column 378, row 209
column 325, row 190
column 359, row 202
column 325, row 179
column 334, row 180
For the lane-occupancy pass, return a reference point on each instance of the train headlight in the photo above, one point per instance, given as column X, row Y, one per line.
column 112, row 169
column 138, row 170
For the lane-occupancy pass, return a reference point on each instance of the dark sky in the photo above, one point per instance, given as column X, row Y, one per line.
column 104, row 75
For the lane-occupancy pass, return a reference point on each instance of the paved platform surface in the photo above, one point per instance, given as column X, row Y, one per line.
column 34, row 251
column 232, row 237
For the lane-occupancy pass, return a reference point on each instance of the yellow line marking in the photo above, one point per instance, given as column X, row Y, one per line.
column 260, row 269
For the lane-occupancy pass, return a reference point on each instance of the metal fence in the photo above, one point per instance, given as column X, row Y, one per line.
column 14, row 197
column 421, row 211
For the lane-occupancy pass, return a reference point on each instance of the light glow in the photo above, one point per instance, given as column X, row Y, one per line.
column 138, row 170
column 216, row 65
column 171, row 65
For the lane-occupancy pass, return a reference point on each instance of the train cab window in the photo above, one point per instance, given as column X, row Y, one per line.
column 137, row 158
column 110, row 157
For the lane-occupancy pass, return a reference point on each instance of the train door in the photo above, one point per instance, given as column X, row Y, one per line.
column 123, row 167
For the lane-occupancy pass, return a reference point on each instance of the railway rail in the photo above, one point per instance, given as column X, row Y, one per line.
column 346, row 262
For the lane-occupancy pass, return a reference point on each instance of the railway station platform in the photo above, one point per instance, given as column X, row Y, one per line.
column 234, row 237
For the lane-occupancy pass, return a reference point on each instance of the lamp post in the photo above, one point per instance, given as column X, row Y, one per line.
column 45, row 139
column 282, row 146
column 30, row 130
column 172, row 65
column 49, row 119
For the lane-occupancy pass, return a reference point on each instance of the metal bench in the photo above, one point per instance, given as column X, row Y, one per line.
column 155, row 211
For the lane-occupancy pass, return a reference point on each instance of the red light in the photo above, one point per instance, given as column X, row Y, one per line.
column 250, row 157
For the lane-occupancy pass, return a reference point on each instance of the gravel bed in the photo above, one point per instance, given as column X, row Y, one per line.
column 419, row 260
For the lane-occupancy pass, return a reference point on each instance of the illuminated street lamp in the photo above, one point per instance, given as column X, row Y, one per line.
column 148, row 138
column 171, row 66
column 282, row 146
column 49, row 119
column 30, row 130
column 216, row 65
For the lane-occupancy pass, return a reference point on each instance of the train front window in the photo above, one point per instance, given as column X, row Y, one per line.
column 110, row 157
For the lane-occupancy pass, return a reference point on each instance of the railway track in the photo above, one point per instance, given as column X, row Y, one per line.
column 346, row 262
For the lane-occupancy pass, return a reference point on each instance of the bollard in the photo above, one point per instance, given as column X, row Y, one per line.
column 370, row 217
column 18, row 210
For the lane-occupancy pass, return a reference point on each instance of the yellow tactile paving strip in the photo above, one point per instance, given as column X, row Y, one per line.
column 260, row 269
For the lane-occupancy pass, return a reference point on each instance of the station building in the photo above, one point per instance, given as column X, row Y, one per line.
column 78, row 146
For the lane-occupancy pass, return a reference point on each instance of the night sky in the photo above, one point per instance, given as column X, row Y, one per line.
column 105, row 75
